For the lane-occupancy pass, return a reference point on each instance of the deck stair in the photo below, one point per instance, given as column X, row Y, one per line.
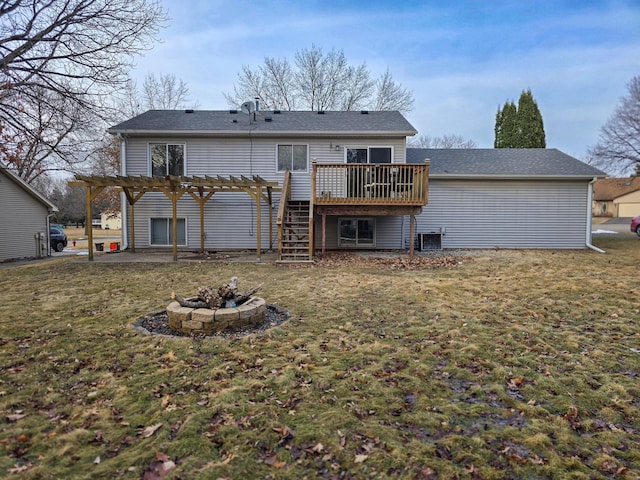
column 296, row 236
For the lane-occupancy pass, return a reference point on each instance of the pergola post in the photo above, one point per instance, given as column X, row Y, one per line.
column 174, row 205
column 258, row 221
column 89, row 225
column 91, row 195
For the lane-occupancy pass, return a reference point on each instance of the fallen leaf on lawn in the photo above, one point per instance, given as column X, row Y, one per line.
column 318, row 448
column 228, row 459
column 147, row 432
column 97, row 460
column 516, row 382
column 15, row 417
column 20, row 468
column 273, row 461
column 361, row 458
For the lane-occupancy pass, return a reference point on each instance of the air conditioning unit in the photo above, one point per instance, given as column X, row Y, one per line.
column 429, row 241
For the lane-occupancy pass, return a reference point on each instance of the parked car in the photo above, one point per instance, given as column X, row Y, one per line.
column 57, row 239
column 635, row 225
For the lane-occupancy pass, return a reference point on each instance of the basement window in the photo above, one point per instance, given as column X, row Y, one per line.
column 161, row 232
column 356, row 232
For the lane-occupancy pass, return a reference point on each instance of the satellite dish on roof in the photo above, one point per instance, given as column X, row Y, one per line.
column 248, row 107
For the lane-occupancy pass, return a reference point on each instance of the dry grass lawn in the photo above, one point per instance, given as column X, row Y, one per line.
column 515, row 364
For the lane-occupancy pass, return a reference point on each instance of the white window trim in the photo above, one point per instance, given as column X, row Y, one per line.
column 293, row 172
column 368, row 147
column 368, row 245
column 169, row 223
column 167, row 143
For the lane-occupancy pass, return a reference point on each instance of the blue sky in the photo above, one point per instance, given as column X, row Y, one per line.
column 462, row 59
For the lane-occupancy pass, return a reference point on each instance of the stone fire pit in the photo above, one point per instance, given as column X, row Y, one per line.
column 207, row 321
column 216, row 311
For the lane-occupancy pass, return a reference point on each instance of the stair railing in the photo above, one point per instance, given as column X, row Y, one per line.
column 282, row 208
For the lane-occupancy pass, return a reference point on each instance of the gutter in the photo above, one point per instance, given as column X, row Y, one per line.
column 241, row 132
column 589, row 203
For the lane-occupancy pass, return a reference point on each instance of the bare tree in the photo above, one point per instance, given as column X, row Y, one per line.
column 618, row 150
column 358, row 90
column 318, row 81
column 446, row 141
column 391, row 96
column 165, row 92
column 55, row 141
column 59, row 60
column 320, row 78
column 273, row 83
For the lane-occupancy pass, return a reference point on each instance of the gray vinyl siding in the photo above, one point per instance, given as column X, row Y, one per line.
column 230, row 218
column 21, row 216
column 506, row 214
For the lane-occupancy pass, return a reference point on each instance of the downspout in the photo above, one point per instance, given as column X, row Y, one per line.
column 589, row 213
column 124, row 211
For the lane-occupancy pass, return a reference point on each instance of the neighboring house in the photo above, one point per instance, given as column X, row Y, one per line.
column 507, row 198
column 616, row 197
column 24, row 216
column 344, row 180
column 109, row 221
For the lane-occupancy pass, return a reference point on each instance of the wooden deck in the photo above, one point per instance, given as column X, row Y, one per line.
column 399, row 185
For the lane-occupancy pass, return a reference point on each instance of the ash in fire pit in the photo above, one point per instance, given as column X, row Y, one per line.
column 214, row 311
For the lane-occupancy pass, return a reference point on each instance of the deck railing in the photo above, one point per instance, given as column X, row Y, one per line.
column 370, row 184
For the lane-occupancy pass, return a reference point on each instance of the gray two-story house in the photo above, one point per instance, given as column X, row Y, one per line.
column 338, row 179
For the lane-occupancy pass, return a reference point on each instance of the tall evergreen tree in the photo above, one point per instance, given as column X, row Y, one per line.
column 521, row 126
column 530, row 126
column 506, row 127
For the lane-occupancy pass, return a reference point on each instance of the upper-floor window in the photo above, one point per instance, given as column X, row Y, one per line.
column 293, row 157
column 166, row 159
column 369, row 155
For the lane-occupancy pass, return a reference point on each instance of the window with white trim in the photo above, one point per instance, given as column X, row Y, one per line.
column 166, row 159
column 293, row 157
column 161, row 232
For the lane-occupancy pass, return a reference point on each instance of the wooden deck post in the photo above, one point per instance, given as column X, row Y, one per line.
column 324, row 233
column 412, row 234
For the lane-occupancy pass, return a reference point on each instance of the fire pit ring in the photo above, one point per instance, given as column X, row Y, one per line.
column 207, row 321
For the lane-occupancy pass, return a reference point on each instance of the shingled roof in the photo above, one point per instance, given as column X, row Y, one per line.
column 607, row 189
column 502, row 162
column 266, row 123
